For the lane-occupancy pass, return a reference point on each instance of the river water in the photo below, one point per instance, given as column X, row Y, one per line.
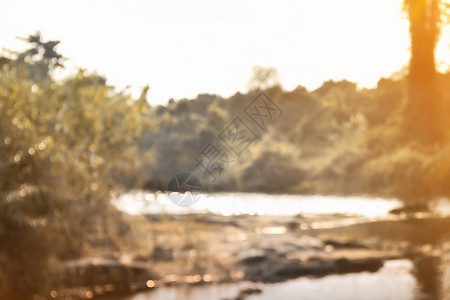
column 247, row 203
column 395, row 280
column 392, row 282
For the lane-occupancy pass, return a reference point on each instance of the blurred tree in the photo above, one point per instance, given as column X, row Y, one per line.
column 143, row 95
column 425, row 110
column 66, row 147
column 263, row 78
column 40, row 59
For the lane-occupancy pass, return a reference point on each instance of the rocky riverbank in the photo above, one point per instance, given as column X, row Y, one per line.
column 208, row 248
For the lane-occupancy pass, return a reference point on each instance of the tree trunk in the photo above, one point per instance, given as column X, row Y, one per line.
column 424, row 113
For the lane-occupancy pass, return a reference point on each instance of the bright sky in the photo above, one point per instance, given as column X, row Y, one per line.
column 183, row 48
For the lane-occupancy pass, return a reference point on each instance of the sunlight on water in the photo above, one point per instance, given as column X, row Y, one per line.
column 441, row 206
column 393, row 281
column 261, row 204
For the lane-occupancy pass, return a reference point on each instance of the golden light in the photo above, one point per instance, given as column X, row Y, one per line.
column 307, row 41
column 151, row 284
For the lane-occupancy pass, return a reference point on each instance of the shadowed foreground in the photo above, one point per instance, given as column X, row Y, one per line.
column 205, row 249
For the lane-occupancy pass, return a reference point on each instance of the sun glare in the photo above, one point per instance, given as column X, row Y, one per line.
column 185, row 48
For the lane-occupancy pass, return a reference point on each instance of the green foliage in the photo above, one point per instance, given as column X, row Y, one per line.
column 272, row 167
column 337, row 139
column 66, row 148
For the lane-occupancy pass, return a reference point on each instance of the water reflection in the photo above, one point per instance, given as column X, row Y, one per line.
column 427, row 270
column 394, row 281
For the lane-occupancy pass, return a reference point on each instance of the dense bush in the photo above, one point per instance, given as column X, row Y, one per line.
column 66, row 147
column 337, row 139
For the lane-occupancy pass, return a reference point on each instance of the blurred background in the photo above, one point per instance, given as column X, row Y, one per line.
column 248, row 149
